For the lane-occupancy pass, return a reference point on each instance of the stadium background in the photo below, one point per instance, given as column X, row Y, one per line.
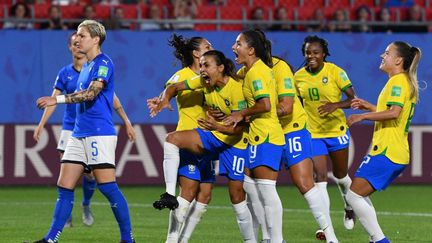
column 30, row 60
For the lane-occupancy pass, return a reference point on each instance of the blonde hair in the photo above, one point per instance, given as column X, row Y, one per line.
column 95, row 29
column 411, row 58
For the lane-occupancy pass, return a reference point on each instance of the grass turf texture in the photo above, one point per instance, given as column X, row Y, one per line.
column 404, row 213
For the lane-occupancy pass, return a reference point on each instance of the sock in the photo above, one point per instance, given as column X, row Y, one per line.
column 272, row 208
column 320, row 212
column 170, row 167
column 62, row 212
column 196, row 211
column 119, row 207
column 89, row 187
column 244, row 220
column 322, row 186
column 365, row 212
column 344, row 184
column 176, row 220
column 255, row 207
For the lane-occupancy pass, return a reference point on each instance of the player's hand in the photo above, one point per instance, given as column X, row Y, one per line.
column 354, row 119
column 360, row 104
column 208, row 123
column 130, row 131
column 46, row 101
column 233, row 119
column 326, row 108
column 217, row 114
column 155, row 105
column 37, row 132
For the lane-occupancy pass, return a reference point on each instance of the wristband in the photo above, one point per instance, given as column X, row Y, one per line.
column 61, row 99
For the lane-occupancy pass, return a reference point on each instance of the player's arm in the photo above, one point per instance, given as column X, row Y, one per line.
column 88, row 94
column 261, row 105
column 130, row 131
column 48, row 111
column 329, row 107
column 156, row 105
column 392, row 113
column 211, row 124
column 285, row 105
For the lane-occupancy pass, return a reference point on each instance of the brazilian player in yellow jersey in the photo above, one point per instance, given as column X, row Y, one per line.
column 297, row 154
column 320, row 85
column 213, row 138
column 266, row 139
column 196, row 184
column 389, row 153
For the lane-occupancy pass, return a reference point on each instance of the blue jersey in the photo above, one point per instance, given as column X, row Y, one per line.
column 66, row 82
column 94, row 118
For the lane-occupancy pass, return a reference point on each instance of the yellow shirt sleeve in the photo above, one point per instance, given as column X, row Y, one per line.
column 397, row 92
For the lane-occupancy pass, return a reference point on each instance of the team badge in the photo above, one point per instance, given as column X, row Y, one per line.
column 191, row 168
column 325, row 80
column 227, row 103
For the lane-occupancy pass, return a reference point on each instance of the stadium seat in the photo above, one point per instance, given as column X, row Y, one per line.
column 312, row 3
column 290, row 11
column 130, row 11
column 208, row 13
column 428, row 14
column 102, row 11
column 41, row 11
column 143, row 11
column 358, row 3
column 237, row 3
column 231, row 13
column 338, row 3
column 290, row 3
column 71, row 11
column 263, row 3
column 160, row 2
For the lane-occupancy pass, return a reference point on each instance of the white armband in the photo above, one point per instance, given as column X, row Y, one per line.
column 61, row 99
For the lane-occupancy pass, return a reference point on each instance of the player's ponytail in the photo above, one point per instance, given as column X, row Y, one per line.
column 183, row 48
column 257, row 39
column 411, row 58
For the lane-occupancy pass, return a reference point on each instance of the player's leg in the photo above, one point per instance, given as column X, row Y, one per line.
column 89, row 187
column 101, row 155
column 189, row 140
column 61, row 147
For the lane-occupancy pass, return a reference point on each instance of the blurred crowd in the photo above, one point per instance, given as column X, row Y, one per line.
column 384, row 16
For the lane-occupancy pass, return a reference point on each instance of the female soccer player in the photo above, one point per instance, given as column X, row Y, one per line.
column 320, row 85
column 196, row 185
column 389, row 154
column 93, row 141
column 66, row 82
column 212, row 138
column 297, row 154
column 266, row 139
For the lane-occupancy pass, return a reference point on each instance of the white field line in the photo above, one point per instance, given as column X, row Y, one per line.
column 143, row 205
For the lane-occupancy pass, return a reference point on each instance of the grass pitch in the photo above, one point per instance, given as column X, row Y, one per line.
column 404, row 212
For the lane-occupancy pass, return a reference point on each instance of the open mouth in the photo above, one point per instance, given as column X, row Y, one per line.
column 205, row 78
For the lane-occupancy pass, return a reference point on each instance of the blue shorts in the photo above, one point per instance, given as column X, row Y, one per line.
column 196, row 167
column 379, row 171
column 324, row 146
column 298, row 147
column 231, row 160
column 265, row 154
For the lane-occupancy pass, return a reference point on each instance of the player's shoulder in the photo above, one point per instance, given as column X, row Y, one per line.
column 103, row 59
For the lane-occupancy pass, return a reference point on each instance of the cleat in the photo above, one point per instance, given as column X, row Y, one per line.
column 43, row 241
column 349, row 219
column 68, row 223
column 166, row 201
column 87, row 216
column 319, row 235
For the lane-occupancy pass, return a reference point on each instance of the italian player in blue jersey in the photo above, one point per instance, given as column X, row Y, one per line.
column 221, row 91
column 320, row 85
column 389, row 154
column 195, row 177
column 66, row 83
column 93, row 142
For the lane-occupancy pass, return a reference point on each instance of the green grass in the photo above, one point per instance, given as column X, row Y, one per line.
column 404, row 213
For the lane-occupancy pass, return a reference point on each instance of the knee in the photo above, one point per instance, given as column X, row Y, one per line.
column 304, row 186
column 172, row 137
column 321, row 176
column 237, row 196
column 189, row 195
column 204, row 198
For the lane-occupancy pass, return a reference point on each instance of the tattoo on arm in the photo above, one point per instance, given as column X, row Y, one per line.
column 85, row 95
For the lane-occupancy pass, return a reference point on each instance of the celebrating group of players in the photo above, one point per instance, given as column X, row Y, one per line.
column 247, row 125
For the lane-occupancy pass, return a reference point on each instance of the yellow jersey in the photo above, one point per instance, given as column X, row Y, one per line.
column 189, row 102
column 259, row 82
column 227, row 99
column 285, row 86
column 318, row 88
column 390, row 138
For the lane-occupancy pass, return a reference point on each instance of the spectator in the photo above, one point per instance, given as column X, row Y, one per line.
column 152, row 21
column 19, row 17
column 340, row 22
column 110, row 2
column 54, row 19
column 363, row 16
column 416, row 20
column 216, row 2
column 117, row 21
column 399, row 3
column 321, row 22
column 281, row 14
column 257, row 15
column 89, row 13
column 385, row 21
column 184, row 11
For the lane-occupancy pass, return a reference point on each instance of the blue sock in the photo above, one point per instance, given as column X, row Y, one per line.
column 385, row 240
column 62, row 212
column 89, row 187
column 119, row 207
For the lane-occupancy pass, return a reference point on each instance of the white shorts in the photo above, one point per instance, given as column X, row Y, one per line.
column 64, row 138
column 97, row 151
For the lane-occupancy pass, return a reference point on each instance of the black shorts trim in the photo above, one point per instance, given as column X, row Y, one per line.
column 87, row 169
column 102, row 166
